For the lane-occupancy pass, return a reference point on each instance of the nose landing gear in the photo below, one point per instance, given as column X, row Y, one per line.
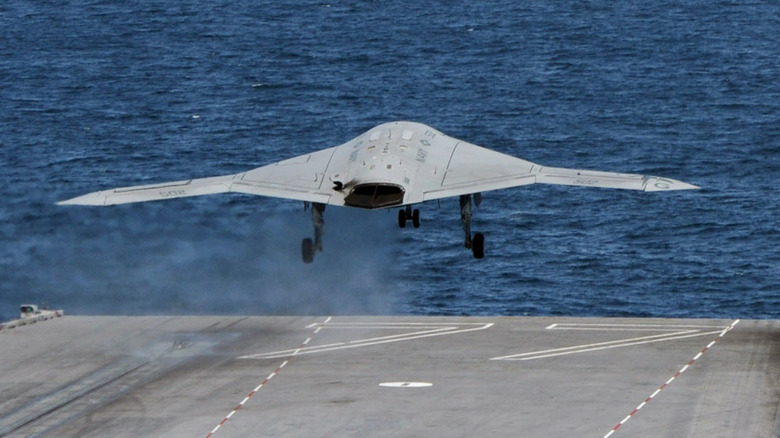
column 407, row 215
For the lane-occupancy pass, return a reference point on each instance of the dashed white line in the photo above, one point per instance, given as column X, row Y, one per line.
column 264, row 382
column 668, row 382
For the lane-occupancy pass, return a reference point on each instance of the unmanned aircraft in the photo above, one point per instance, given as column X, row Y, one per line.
column 394, row 165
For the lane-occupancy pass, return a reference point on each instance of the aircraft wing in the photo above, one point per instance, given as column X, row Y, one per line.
column 299, row 178
column 593, row 178
column 414, row 160
column 472, row 169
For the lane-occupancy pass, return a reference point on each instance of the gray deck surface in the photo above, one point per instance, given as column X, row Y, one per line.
column 182, row 376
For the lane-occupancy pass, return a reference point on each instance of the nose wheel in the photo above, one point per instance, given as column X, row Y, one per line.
column 406, row 215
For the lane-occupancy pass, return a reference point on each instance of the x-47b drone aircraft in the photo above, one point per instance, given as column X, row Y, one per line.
column 394, row 165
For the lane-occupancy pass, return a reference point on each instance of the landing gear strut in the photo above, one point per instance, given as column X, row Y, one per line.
column 310, row 247
column 477, row 244
column 406, row 215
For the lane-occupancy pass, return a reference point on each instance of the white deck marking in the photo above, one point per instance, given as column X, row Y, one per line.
column 267, row 379
column 631, row 327
column 406, row 385
column 420, row 330
column 672, row 379
column 674, row 332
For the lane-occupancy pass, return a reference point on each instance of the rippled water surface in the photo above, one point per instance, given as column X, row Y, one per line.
column 99, row 94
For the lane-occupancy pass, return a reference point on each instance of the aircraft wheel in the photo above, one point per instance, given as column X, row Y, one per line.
column 478, row 246
column 307, row 250
column 416, row 218
column 401, row 218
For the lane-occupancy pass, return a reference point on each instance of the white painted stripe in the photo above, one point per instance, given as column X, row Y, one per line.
column 601, row 346
column 576, row 347
column 367, row 342
column 370, row 341
column 379, row 338
column 254, row 391
column 404, row 325
column 617, row 329
column 566, row 325
column 668, row 382
column 406, row 384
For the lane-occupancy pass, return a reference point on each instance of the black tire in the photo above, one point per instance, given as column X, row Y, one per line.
column 401, row 218
column 416, row 218
column 307, row 250
column 478, row 246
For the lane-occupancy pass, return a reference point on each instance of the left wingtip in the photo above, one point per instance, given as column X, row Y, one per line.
column 89, row 199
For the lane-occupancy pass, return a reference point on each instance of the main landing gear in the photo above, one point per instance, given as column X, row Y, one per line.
column 476, row 244
column 310, row 247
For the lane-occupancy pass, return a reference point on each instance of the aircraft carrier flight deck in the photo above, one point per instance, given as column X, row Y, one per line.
column 230, row 376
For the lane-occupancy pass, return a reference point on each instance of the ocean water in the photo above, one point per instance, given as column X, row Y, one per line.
column 100, row 94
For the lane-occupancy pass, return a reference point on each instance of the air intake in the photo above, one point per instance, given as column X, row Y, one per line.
column 375, row 195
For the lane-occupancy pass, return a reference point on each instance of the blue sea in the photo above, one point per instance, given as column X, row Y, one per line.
column 98, row 94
